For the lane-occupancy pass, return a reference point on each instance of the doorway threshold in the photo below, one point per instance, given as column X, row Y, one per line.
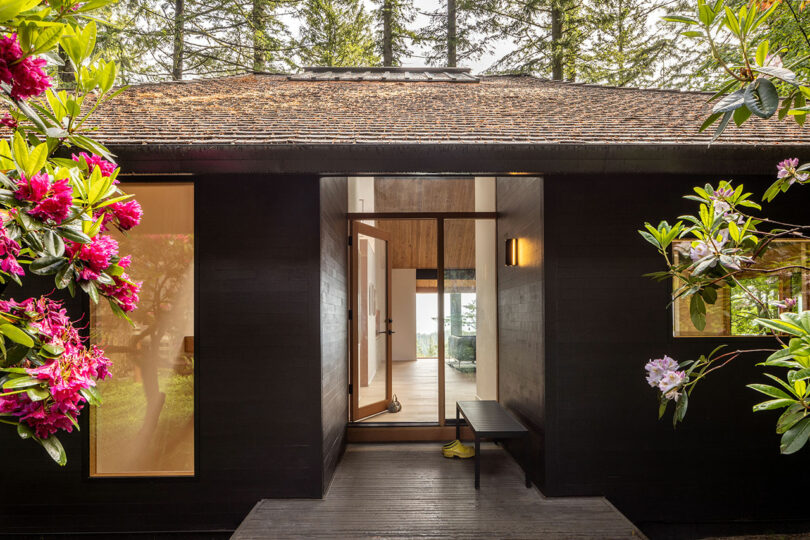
column 403, row 432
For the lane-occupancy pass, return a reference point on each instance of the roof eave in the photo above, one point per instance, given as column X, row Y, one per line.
column 448, row 158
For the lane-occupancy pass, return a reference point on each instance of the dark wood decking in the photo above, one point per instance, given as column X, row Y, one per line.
column 411, row 491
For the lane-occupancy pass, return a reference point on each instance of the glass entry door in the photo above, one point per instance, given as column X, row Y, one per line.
column 371, row 321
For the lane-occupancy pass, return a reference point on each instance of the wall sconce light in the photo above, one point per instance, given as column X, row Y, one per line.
column 511, row 252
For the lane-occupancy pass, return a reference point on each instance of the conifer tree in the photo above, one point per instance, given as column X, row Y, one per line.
column 336, row 33
column 623, row 47
column 394, row 36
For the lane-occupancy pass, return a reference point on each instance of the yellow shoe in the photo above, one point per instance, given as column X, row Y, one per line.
column 451, row 444
column 460, row 451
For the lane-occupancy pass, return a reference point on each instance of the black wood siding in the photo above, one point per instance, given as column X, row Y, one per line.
column 259, row 380
column 603, row 322
column 521, row 371
column 334, row 322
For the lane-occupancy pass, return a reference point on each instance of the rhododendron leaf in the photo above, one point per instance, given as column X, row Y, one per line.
column 768, row 390
column 24, row 431
column 16, row 335
column 54, row 449
column 762, row 98
column 773, row 404
column 11, row 8
column 54, row 244
column 90, row 288
column 790, row 417
column 796, row 437
column 75, row 235
column 45, row 266
column 780, row 326
column 114, row 200
column 6, row 163
column 21, row 382
column 91, row 394
column 64, row 276
column 53, row 350
column 662, row 407
column 37, row 393
column 680, row 408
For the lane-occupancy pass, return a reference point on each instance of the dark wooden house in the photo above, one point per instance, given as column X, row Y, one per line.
column 260, row 168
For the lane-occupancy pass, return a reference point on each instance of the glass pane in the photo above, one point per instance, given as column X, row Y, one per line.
column 470, row 312
column 146, row 425
column 734, row 311
column 414, row 314
column 372, row 299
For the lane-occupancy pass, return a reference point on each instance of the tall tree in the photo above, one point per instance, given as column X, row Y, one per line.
column 336, row 33
column 457, row 32
column 547, row 36
column 158, row 40
column 623, row 47
column 395, row 37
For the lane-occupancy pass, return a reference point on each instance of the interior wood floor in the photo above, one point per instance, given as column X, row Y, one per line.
column 416, row 385
column 411, row 491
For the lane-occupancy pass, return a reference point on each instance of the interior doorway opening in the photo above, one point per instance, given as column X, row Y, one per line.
column 427, row 247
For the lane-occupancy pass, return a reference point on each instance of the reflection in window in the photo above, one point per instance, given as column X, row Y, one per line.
column 145, row 426
column 734, row 311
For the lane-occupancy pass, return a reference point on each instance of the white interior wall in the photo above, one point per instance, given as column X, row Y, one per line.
column 403, row 304
column 486, row 341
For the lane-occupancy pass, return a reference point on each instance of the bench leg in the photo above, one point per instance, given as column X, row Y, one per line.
column 458, row 420
column 527, row 455
column 477, row 462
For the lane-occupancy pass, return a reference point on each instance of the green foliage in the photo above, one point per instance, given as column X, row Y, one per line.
column 738, row 39
column 336, row 33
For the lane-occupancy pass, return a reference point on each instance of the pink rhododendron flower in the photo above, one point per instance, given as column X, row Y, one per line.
column 9, row 249
column 76, row 369
column 657, row 368
column 125, row 292
column 93, row 161
column 96, row 255
column 53, row 199
column 671, row 380
column 128, row 214
column 787, row 169
column 8, row 121
column 25, row 75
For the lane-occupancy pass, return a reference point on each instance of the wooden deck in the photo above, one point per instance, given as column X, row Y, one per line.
column 411, row 491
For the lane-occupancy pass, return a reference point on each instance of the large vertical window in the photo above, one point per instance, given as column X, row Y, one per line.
column 145, row 426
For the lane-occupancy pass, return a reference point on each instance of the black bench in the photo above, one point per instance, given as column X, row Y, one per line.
column 488, row 420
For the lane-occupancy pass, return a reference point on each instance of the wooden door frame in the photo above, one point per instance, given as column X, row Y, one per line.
column 358, row 412
column 437, row 430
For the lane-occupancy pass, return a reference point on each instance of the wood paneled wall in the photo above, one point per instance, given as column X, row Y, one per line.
column 521, row 313
column 334, row 305
column 259, row 380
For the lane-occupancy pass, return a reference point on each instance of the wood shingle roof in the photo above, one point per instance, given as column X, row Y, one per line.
column 275, row 110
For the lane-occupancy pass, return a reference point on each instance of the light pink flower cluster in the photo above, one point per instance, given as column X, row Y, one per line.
column 662, row 373
column 93, row 161
column 124, row 291
column 9, row 250
column 787, row 169
column 25, row 75
column 78, row 368
column 52, row 200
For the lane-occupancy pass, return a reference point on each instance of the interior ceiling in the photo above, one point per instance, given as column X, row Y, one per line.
column 424, row 194
column 413, row 243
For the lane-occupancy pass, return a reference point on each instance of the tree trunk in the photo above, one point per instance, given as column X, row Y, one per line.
column 177, row 51
column 388, row 38
column 556, row 42
column 451, row 33
column 455, row 314
column 66, row 75
column 258, row 22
